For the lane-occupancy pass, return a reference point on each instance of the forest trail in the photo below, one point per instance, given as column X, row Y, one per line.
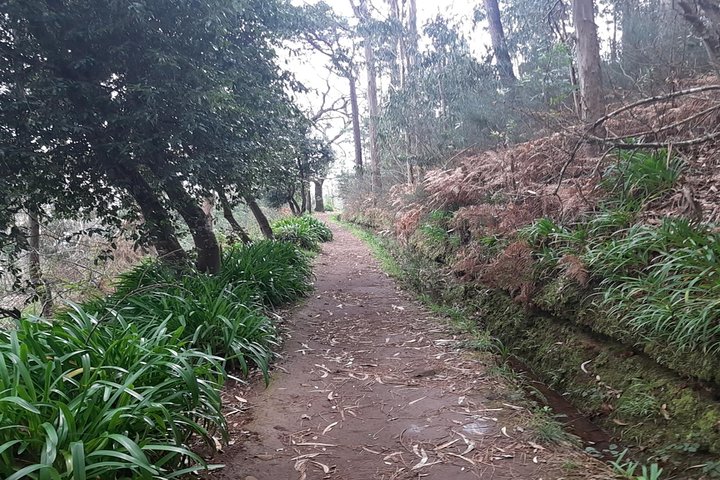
column 372, row 386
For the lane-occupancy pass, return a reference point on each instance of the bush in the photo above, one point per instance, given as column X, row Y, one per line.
column 277, row 270
column 298, row 235
column 118, row 388
column 640, row 175
column 663, row 282
column 305, row 231
column 84, row 398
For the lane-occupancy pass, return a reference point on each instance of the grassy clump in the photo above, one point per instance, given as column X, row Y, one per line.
column 663, row 282
column 307, row 232
column 642, row 176
column 84, row 398
column 119, row 387
column 660, row 282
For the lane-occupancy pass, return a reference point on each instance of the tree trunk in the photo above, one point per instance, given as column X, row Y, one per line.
column 304, row 198
column 413, row 34
column 355, row 112
column 500, row 48
column 409, row 172
column 206, row 244
column 157, row 219
column 42, row 289
column 208, row 205
column 259, row 217
column 398, row 66
column 230, row 217
column 363, row 15
column 33, row 239
column 319, row 200
column 704, row 18
column 588, row 60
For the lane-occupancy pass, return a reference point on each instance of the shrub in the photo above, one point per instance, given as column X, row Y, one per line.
column 307, row 225
column 83, row 398
column 299, row 235
column 663, row 282
column 643, row 175
column 277, row 270
column 118, row 388
column 219, row 318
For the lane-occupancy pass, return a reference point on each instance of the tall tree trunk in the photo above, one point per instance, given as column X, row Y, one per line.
column 588, row 60
column 41, row 287
column 308, row 193
column 398, row 66
column 157, row 219
column 206, row 244
column 500, row 48
column 33, row 239
column 413, row 36
column 411, row 136
column 374, row 114
column 363, row 15
column 259, row 217
column 355, row 113
column 319, row 200
column 230, row 217
column 303, row 196
column 409, row 172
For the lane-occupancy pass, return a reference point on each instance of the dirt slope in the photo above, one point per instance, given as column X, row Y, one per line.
column 373, row 387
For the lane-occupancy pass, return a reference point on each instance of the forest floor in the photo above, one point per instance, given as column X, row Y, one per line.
column 373, row 386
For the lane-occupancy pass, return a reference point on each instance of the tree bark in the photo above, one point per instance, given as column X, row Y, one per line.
column 230, row 217
column 157, row 219
column 409, row 172
column 363, row 15
column 294, row 207
column 398, row 66
column 42, row 289
column 259, row 217
column 374, row 113
column 413, row 34
column 33, row 239
column 500, row 48
column 355, row 113
column 704, row 18
column 588, row 60
column 206, row 244
column 319, row 200
column 304, row 198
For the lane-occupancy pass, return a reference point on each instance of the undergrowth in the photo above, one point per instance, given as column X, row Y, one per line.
column 659, row 280
column 120, row 387
column 306, row 231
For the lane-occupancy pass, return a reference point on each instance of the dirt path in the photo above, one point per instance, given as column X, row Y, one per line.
column 373, row 387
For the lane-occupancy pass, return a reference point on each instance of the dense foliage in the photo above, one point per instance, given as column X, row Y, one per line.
column 121, row 111
column 123, row 386
column 305, row 231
